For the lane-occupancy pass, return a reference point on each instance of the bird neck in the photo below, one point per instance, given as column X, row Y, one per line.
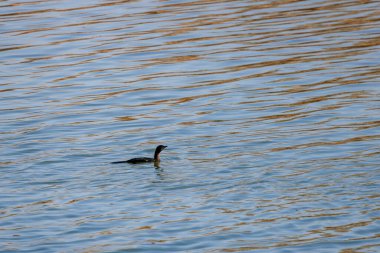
column 157, row 156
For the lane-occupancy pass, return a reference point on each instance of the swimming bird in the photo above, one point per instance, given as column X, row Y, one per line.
column 155, row 159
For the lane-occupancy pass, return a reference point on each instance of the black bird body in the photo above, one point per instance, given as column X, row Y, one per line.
column 138, row 160
column 155, row 159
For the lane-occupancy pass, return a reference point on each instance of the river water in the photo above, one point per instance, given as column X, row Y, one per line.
column 270, row 111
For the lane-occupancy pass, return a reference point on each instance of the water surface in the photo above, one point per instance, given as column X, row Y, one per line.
column 270, row 110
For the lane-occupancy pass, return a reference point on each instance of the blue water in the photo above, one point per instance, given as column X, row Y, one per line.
column 270, row 111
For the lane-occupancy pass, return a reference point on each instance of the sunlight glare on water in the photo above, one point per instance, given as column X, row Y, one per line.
column 269, row 109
